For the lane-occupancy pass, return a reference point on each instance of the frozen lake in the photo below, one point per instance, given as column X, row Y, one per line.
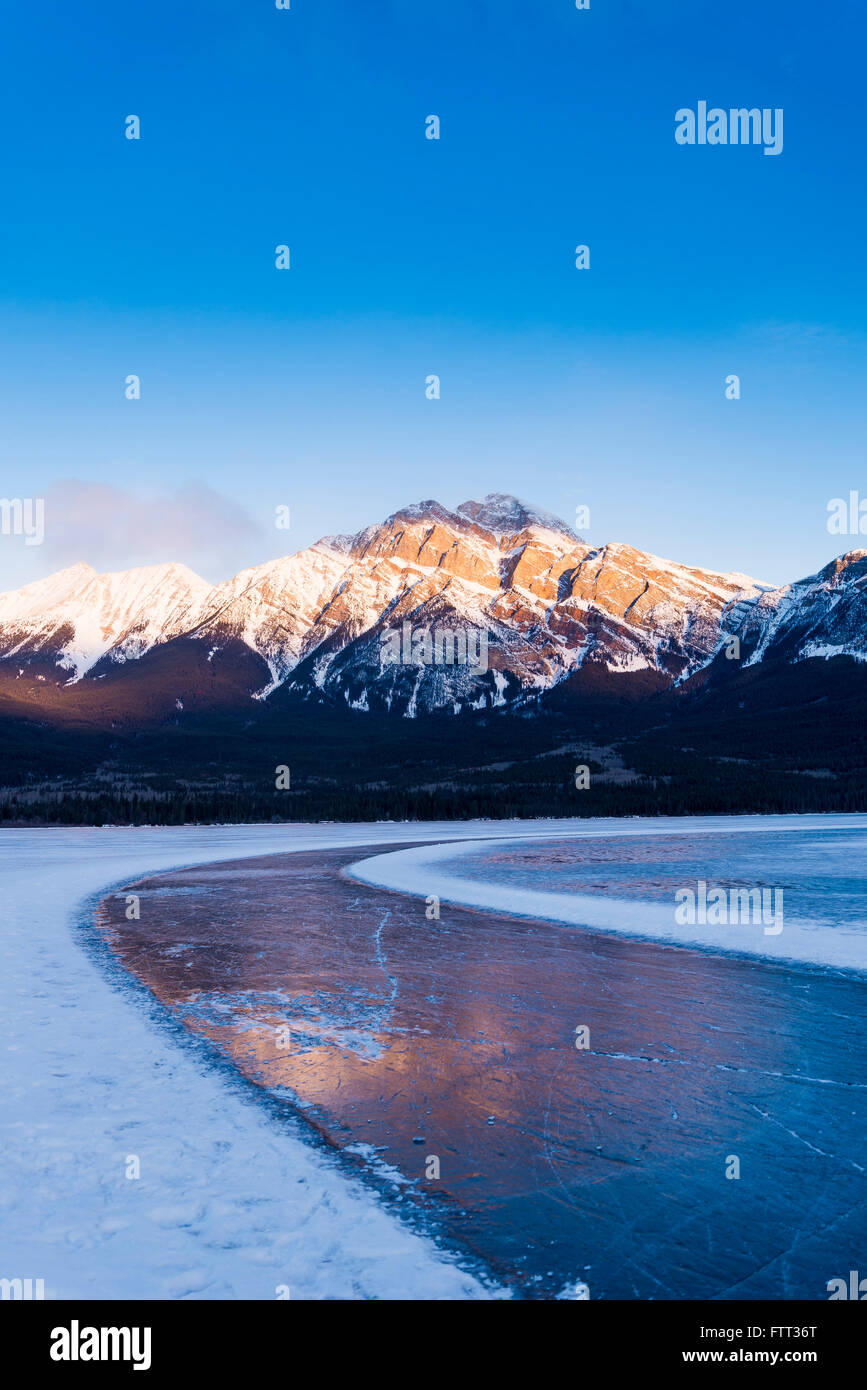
column 234, row 1201
column 626, row 879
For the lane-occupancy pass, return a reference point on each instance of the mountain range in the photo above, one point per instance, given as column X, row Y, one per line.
column 151, row 696
column 149, row 643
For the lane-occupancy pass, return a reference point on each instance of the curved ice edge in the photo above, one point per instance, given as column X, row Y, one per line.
column 414, row 1262
column 420, row 873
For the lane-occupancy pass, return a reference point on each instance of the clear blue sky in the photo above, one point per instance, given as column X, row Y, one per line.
column 410, row 257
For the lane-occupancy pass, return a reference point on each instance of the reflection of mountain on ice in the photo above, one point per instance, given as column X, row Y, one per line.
column 229, row 1204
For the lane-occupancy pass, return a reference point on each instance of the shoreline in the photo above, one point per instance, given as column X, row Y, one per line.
column 228, row 1206
column 788, row 964
column 711, row 821
column 437, row 867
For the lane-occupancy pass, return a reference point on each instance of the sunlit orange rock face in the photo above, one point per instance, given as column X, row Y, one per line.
column 547, row 604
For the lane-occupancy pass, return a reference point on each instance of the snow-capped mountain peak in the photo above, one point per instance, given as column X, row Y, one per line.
column 78, row 616
column 550, row 607
column 504, row 515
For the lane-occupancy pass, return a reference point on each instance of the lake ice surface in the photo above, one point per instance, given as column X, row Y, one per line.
column 229, row 1204
column 623, row 876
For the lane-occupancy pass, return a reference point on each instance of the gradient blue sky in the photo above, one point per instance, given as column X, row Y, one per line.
column 411, row 257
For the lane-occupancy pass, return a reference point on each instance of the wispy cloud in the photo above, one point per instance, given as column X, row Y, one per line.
column 112, row 528
column 793, row 333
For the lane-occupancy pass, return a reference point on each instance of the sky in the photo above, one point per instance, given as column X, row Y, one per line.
column 306, row 388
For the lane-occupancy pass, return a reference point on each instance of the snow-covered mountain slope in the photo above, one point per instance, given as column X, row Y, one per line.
column 272, row 607
column 76, row 617
column 823, row 615
column 548, row 602
column 346, row 618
